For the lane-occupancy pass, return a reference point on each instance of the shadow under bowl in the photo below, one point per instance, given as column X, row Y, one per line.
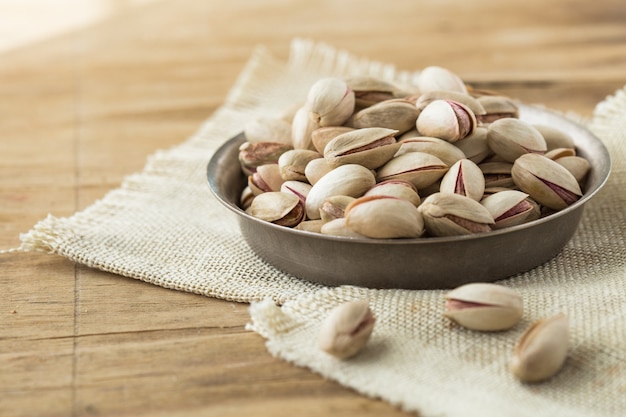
column 422, row 263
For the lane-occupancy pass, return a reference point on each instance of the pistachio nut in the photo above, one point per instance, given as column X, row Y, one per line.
column 497, row 174
column 330, row 101
column 454, row 214
column 475, row 147
column 446, row 119
column 298, row 188
column 484, row 306
column 352, row 180
column 316, row 169
column 334, row 207
column 246, row 198
column 510, row 138
column 383, row 217
column 321, row 136
column 497, row 107
column 266, row 178
column 279, row 208
column 557, row 153
column 473, row 104
column 397, row 114
column 542, row 350
column 546, row 181
column 371, row 90
column 554, row 137
column 302, row 127
column 338, row 227
column 293, row 162
column 419, row 168
column 576, row 165
column 464, row 178
column 510, row 208
column 313, row 226
column 396, row 188
column 370, row 147
column 346, row 329
column 438, row 78
column 444, row 150
column 252, row 155
column 268, row 129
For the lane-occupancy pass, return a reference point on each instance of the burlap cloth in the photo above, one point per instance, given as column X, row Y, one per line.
column 164, row 227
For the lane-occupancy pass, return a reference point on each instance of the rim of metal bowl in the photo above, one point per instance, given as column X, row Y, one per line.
column 226, row 147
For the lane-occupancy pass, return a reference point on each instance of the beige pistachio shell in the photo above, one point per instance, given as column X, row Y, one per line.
column 351, row 180
column 511, row 138
column 331, row 101
column 510, row 208
column 444, row 150
column 484, row 306
column 434, row 78
column 497, row 107
column 252, row 155
column 497, row 174
column 316, row 169
column 554, row 137
column 578, row 166
column 370, row 90
column 299, row 188
column 465, row 178
column 346, row 329
column 545, row 181
column 397, row 114
column 246, row 197
column 276, row 207
column 293, row 162
column 334, row 207
column 320, row 137
column 338, row 227
column 446, row 119
column 314, row 226
column 453, row 214
column 474, row 105
column 268, row 129
column 370, row 147
column 557, row 153
column 542, row 350
column 419, row 168
column 302, row 127
column 383, row 217
column 266, row 178
column 475, row 147
column 396, row 188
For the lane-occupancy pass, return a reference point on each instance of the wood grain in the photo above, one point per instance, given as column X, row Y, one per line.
column 79, row 112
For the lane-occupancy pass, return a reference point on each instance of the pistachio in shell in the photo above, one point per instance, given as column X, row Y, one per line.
column 252, row 155
column 383, row 217
column 396, row 188
column 510, row 208
column 453, row 214
column 444, row 150
column 266, row 178
column 438, row 78
column 321, row 136
column 279, row 208
column 268, row 129
column 397, row 114
column 419, row 168
column 511, row 138
column 464, row 178
column 292, row 163
column 370, row 147
column 446, row 119
column 330, row 101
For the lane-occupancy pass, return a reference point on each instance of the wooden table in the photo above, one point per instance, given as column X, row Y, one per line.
column 79, row 112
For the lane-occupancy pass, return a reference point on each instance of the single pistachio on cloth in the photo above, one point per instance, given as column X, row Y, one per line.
column 542, row 350
column 484, row 306
column 346, row 329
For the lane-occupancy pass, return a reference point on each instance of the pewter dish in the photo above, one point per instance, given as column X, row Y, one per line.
column 422, row 263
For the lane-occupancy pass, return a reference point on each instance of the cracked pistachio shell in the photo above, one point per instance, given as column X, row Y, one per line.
column 397, row 114
column 298, row 188
column 320, row 137
column 547, row 182
column 497, row 174
column 371, row 147
column 453, row 214
column 555, row 138
column 266, row 178
column 511, row 138
column 279, row 208
column 293, row 162
column 419, row 168
column 302, row 127
column 475, row 146
column 382, row 217
column 464, row 98
column 396, row 188
column 434, row 78
column 331, row 101
column 371, row 90
column 542, row 350
column 252, row 155
column 446, row 119
column 464, row 178
column 338, row 227
column 346, row 329
column 444, row 150
column 334, row 207
column 351, row 180
column 497, row 107
column 510, row 208
column 268, row 129
column 576, row 165
column 484, row 306
column 316, row 169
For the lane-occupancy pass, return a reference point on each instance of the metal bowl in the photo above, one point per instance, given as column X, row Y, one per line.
column 427, row 263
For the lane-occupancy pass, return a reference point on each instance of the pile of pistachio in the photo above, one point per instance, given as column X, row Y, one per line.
column 364, row 157
column 539, row 354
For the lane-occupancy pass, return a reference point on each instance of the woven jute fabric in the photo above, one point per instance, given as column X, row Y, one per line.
column 164, row 227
